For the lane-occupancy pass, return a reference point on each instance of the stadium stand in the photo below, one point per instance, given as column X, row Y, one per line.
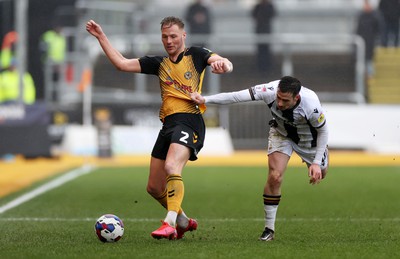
column 384, row 86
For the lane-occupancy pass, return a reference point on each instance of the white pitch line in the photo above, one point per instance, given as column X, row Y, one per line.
column 46, row 187
column 45, row 219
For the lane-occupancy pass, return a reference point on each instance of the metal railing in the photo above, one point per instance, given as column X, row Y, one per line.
column 285, row 44
column 244, row 44
column 227, row 116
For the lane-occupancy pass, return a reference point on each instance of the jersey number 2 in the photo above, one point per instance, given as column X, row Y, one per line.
column 185, row 137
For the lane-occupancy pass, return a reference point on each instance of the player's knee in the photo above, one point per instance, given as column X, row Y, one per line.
column 171, row 167
column 275, row 179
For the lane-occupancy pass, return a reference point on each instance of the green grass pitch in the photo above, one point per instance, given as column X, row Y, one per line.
column 354, row 213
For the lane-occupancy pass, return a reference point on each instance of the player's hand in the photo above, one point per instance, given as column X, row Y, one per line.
column 197, row 98
column 221, row 66
column 94, row 29
column 315, row 174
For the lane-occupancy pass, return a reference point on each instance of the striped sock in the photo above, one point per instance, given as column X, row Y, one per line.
column 271, row 203
column 175, row 192
column 163, row 201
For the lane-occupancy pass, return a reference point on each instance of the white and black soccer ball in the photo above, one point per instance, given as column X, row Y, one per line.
column 109, row 228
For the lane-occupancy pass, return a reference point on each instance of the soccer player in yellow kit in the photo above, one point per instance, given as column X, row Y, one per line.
column 182, row 135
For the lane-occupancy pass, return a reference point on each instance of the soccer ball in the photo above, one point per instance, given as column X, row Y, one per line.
column 109, row 228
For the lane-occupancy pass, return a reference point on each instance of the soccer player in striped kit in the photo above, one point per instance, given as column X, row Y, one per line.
column 298, row 124
column 182, row 135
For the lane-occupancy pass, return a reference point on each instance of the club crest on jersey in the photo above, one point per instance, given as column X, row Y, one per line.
column 188, row 75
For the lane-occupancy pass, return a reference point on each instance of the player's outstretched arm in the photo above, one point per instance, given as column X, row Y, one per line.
column 222, row 98
column 94, row 29
column 116, row 58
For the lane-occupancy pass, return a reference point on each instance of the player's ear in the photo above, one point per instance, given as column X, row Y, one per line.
column 184, row 35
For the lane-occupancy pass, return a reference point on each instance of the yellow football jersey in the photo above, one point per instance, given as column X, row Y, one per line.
column 178, row 79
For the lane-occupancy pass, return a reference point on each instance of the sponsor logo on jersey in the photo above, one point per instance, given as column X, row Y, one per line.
column 260, row 88
column 178, row 86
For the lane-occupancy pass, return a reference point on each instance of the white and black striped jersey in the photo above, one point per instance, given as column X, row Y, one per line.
column 301, row 124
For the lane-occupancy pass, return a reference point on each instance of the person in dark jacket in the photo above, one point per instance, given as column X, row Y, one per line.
column 368, row 27
column 263, row 13
column 390, row 10
column 199, row 18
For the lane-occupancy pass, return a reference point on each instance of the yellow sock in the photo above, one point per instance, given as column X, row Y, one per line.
column 175, row 192
column 163, row 201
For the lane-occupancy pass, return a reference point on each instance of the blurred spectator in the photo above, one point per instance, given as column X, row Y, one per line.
column 390, row 10
column 263, row 13
column 368, row 27
column 9, row 75
column 9, row 85
column 198, row 17
column 7, row 46
column 53, row 46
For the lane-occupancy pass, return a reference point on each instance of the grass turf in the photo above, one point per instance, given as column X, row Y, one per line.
column 354, row 213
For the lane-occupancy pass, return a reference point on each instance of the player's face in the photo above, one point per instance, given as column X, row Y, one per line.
column 173, row 39
column 285, row 101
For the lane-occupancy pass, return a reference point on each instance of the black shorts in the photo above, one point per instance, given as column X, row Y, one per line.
column 183, row 128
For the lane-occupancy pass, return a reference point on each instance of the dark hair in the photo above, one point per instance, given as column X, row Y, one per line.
column 289, row 84
column 172, row 20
